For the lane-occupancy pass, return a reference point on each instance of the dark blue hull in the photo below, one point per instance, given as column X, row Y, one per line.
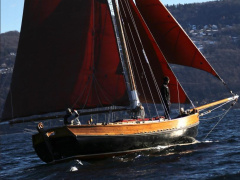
column 69, row 146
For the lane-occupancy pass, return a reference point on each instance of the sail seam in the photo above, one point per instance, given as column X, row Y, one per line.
column 102, row 89
column 193, row 59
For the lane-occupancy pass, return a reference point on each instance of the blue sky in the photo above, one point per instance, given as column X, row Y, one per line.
column 11, row 12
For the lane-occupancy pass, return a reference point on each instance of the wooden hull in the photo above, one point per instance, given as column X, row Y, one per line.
column 98, row 141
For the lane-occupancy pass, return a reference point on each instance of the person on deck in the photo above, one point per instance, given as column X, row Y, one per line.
column 71, row 117
column 90, row 122
column 166, row 97
column 140, row 112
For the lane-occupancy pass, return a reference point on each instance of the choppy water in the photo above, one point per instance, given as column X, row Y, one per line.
column 216, row 157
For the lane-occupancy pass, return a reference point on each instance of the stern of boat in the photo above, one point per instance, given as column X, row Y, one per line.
column 54, row 144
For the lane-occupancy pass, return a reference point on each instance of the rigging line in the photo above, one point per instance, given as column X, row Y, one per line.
column 129, row 47
column 93, row 35
column 135, row 26
column 11, row 102
column 138, row 75
column 140, row 59
column 93, row 75
column 205, row 113
column 102, row 89
column 81, row 93
column 88, row 94
column 218, row 122
column 129, row 77
column 159, row 92
column 160, row 96
column 118, row 42
column 124, row 29
column 225, row 84
column 179, row 106
column 220, row 105
column 155, row 82
column 178, row 25
column 166, row 61
column 204, row 119
column 97, row 91
column 125, row 34
column 92, row 58
column 140, row 63
column 153, row 76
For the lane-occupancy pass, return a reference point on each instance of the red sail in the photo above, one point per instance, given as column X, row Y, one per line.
column 171, row 38
column 67, row 57
column 138, row 38
column 99, row 82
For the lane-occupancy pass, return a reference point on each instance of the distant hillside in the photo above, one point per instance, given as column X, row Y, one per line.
column 8, row 50
column 221, row 12
column 8, row 44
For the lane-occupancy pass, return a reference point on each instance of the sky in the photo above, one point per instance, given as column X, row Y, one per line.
column 11, row 12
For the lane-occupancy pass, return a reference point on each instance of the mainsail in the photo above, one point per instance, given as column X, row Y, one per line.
column 67, row 57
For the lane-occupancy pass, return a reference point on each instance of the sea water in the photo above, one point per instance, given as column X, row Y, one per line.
column 216, row 156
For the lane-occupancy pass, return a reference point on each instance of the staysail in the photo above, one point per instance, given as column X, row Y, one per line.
column 148, row 62
column 171, row 38
column 67, row 57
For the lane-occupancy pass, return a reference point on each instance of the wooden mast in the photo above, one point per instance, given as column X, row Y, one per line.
column 128, row 73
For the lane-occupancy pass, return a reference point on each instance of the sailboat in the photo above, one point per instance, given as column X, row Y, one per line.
column 102, row 56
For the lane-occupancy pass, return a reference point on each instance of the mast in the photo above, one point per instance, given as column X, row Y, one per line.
column 128, row 73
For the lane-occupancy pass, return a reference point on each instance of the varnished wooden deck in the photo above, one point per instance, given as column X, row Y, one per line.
column 134, row 128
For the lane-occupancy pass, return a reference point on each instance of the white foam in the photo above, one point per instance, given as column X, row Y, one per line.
column 73, row 168
column 79, row 162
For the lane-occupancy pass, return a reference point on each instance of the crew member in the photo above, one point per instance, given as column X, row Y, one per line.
column 90, row 122
column 140, row 112
column 166, row 97
column 71, row 117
